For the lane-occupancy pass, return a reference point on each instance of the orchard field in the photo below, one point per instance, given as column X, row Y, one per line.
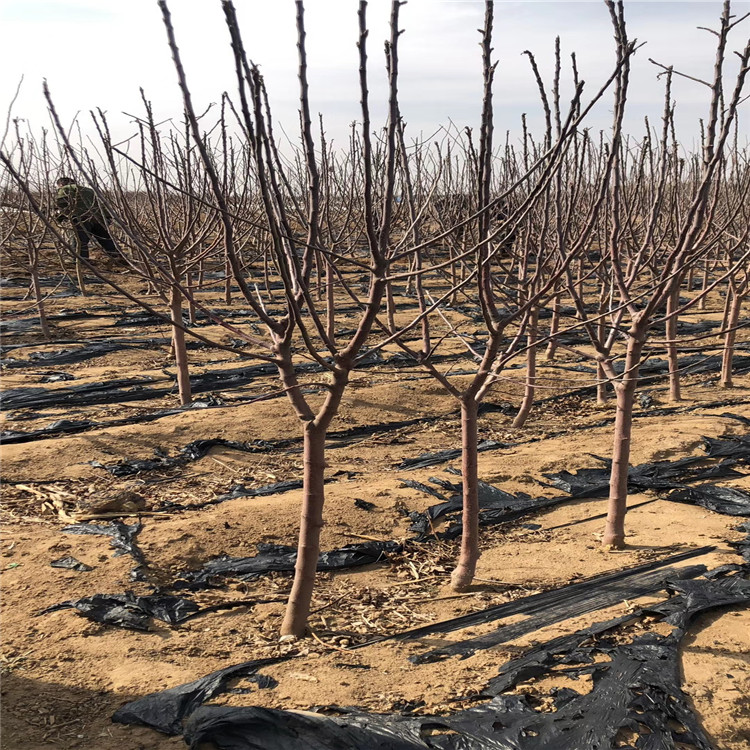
column 410, row 444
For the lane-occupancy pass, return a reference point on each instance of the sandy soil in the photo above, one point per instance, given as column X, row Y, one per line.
column 63, row 675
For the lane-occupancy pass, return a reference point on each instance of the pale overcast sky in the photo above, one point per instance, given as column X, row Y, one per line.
column 96, row 53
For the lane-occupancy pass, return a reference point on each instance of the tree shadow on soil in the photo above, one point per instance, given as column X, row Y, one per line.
column 40, row 715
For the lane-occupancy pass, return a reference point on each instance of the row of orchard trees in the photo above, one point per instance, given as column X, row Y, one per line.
column 614, row 227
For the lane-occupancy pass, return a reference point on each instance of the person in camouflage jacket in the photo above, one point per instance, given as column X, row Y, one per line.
column 79, row 206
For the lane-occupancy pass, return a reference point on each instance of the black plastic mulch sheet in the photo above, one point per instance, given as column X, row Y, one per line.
column 610, row 591
column 237, row 491
column 70, row 563
column 73, row 426
column 495, row 506
column 90, row 350
column 733, row 447
column 122, row 536
column 191, row 452
column 58, row 427
column 280, row 558
column 743, row 546
column 129, row 611
column 440, row 457
column 659, row 475
column 132, row 389
column 166, row 710
column 636, row 692
column 590, row 590
column 105, row 392
column 731, row 501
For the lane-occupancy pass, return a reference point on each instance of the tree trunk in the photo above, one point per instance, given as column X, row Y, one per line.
column 189, row 277
column 464, row 572
column 227, row 282
column 330, row 304
column 554, row 327
column 601, row 385
column 80, row 278
column 37, row 290
column 727, row 307
column 729, row 339
column 454, row 277
column 704, row 286
column 180, row 350
column 528, row 399
column 614, row 531
column 308, row 550
column 673, row 302
column 390, row 306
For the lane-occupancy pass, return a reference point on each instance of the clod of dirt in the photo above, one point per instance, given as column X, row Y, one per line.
column 124, row 501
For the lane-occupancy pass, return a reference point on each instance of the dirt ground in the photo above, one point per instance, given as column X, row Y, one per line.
column 64, row 676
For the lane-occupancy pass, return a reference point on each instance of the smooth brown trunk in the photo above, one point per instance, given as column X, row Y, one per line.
column 601, row 332
column 614, row 530
column 727, row 307
column 729, row 339
column 191, row 304
column 390, row 307
column 319, row 275
column 330, row 306
column 227, row 283
column 704, row 286
column 180, row 350
column 464, row 572
column 308, row 550
column 39, row 297
column 80, row 278
column 454, row 278
column 601, row 385
column 528, row 398
column 554, row 327
column 673, row 302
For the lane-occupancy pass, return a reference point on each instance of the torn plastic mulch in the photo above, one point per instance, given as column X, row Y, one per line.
column 191, row 452
column 136, row 612
column 70, row 563
column 122, row 536
column 658, row 475
column 166, row 710
column 743, row 546
column 105, row 392
column 90, row 350
column 280, row 558
column 731, row 501
column 129, row 611
column 576, row 603
column 440, row 457
column 72, row 426
column 495, row 506
column 734, row 446
column 636, row 694
column 124, row 390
